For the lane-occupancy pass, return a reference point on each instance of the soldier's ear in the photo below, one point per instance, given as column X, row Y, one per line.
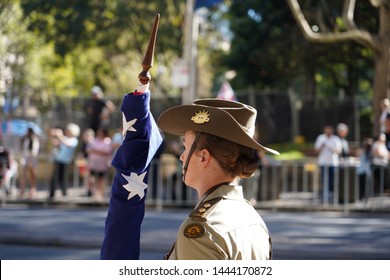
column 205, row 156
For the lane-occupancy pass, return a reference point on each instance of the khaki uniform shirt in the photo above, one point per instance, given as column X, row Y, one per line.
column 223, row 226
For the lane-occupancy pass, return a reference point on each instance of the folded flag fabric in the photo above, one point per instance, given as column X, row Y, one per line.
column 131, row 161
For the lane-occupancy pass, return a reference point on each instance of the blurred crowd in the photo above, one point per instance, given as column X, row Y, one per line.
column 373, row 157
column 91, row 150
column 96, row 149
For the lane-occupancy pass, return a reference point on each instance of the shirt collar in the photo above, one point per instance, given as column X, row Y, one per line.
column 225, row 191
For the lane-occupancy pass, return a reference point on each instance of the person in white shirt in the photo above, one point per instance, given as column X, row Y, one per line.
column 328, row 147
column 380, row 161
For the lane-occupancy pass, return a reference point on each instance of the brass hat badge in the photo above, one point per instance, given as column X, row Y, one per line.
column 201, row 117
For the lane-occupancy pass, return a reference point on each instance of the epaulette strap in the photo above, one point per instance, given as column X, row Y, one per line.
column 201, row 211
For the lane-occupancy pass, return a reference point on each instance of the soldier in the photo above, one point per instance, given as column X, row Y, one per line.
column 219, row 150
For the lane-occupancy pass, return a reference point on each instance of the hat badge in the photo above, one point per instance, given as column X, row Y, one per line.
column 201, row 117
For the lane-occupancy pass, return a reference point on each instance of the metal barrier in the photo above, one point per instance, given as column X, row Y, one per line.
column 280, row 183
column 277, row 185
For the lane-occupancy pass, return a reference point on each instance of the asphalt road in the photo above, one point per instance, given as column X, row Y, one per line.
column 76, row 234
column 32, row 252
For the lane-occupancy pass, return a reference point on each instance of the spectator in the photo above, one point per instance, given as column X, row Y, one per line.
column 8, row 168
column 342, row 132
column 30, row 148
column 387, row 131
column 82, row 160
column 364, row 168
column 86, row 139
column 65, row 146
column 99, row 157
column 380, row 161
column 117, row 139
column 98, row 109
column 385, row 110
column 328, row 147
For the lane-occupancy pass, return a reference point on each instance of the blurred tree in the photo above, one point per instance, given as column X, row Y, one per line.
column 115, row 31
column 260, row 62
column 115, row 24
column 17, row 46
column 267, row 51
column 342, row 28
column 31, row 74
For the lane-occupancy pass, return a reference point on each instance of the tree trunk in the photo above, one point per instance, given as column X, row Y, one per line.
column 380, row 43
column 309, row 88
column 381, row 82
column 382, row 64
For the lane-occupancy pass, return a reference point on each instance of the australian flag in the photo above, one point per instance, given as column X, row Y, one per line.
column 131, row 161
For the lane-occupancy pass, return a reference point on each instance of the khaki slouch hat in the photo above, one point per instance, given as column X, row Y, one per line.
column 230, row 120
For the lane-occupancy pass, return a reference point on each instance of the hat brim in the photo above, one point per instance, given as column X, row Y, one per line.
column 177, row 120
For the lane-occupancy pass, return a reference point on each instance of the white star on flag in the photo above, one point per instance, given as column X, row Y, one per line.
column 135, row 185
column 127, row 125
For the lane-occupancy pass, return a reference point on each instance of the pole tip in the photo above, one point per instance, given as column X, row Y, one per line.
column 147, row 63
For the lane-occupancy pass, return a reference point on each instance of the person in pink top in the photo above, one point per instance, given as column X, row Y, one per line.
column 99, row 157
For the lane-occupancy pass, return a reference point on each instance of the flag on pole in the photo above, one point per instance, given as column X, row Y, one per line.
column 226, row 92
column 131, row 161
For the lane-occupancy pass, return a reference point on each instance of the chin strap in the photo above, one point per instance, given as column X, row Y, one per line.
column 193, row 147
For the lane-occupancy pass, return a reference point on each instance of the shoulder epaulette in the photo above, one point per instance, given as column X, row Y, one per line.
column 199, row 213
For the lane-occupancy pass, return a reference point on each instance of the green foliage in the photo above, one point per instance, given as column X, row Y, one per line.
column 290, row 155
column 16, row 47
column 268, row 49
column 262, row 52
column 291, row 150
column 116, row 25
column 68, row 46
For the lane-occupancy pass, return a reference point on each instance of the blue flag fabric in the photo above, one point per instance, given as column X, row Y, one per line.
column 131, row 161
